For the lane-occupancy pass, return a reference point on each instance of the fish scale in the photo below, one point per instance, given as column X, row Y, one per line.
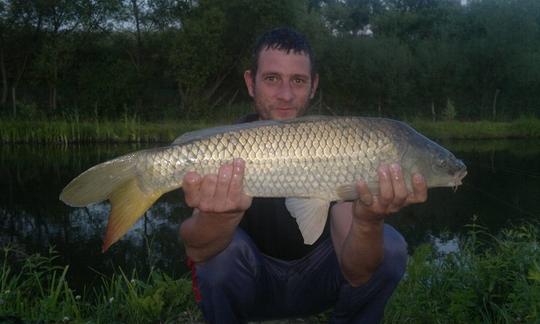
column 302, row 153
column 311, row 161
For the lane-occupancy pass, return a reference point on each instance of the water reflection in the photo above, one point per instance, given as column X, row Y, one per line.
column 32, row 218
column 502, row 187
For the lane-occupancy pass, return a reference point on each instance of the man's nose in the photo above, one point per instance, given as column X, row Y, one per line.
column 285, row 92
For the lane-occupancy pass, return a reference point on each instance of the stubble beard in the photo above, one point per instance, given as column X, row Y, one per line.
column 265, row 109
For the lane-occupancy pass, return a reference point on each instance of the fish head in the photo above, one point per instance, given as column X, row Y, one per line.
column 438, row 166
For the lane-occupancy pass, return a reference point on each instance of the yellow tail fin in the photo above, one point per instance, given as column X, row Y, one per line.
column 128, row 204
column 117, row 181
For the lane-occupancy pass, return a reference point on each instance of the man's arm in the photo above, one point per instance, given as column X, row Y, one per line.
column 357, row 227
column 219, row 204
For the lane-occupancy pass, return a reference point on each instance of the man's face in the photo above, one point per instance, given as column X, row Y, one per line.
column 283, row 85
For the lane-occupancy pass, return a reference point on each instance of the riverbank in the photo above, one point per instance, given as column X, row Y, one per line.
column 518, row 128
column 106, row 131
column 488, row 279
column 136, row 131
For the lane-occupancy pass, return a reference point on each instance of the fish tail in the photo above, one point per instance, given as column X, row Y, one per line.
column 117, row 181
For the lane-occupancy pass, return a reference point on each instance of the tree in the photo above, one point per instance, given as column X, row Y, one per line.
column 211, row 45
column 350, row 17
column 494, row 35
column 21, row 24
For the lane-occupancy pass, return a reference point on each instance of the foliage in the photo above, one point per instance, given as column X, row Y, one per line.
column 491, row 279
column 161, row 59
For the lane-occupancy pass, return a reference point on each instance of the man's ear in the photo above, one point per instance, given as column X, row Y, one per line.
column 314, row 85
column 250, row 82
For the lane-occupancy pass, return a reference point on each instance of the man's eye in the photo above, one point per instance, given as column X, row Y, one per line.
column 299, row 81
column 271, row 78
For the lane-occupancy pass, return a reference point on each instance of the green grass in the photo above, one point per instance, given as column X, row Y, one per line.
column 33, row 288
column 133, row 130
column 491, row 279
column 523, row 127
column 75, row 131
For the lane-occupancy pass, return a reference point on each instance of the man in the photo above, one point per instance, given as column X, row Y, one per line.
column 247, row 254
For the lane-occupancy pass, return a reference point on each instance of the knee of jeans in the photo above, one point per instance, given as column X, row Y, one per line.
column 395, row 254
column 237, row 259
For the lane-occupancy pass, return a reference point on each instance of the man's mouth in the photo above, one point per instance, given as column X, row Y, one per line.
column 284, row 110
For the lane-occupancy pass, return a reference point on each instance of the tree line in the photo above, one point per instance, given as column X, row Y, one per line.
column 156, row 59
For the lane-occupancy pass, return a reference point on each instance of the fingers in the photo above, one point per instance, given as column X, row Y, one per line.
column 364, row 194
column 386, row 189
column 207, row 191
column 221, row 192
column 191, row 185
column 237, row 182
column 393, row 193
column 419, row 185
column 398, row 183
column 229, row 188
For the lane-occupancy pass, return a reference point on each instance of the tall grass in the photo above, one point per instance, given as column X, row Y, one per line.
column 128, row 130
column 33, row 289
column 131, row 129
column 524, row 127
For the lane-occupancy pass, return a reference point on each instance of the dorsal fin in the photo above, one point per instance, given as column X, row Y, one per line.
column 207, row 132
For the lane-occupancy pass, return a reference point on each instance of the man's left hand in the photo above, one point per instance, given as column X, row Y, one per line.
column 392, row 196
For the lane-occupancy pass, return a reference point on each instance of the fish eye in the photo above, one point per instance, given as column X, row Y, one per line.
column 442, row 163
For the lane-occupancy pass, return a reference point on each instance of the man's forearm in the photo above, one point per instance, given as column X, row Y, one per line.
column 206, row 234
column 362, row 251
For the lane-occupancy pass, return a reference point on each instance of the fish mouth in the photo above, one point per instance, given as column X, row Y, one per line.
column 456, row 181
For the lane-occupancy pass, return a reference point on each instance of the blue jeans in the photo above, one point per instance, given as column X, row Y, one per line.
column 241, row 284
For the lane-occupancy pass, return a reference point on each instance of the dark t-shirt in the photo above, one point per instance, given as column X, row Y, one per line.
column 275, row 231
column 271, row 226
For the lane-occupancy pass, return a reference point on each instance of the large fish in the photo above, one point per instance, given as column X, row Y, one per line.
column 311, row 161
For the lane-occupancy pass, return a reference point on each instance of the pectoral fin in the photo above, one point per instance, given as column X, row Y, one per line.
column 310, row 214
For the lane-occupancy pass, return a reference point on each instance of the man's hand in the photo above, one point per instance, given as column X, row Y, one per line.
column 392, row 196
column 219, row 204
column 221, row 193
column 358, row 227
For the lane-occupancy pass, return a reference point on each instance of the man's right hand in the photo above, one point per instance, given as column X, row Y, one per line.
column 221, row 193
column 219, row 204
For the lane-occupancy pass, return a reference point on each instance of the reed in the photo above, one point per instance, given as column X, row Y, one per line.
column 131, row 129
column 524, row 127
column 97, row 131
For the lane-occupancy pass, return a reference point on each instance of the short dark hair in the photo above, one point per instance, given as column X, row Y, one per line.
column 283, row 39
